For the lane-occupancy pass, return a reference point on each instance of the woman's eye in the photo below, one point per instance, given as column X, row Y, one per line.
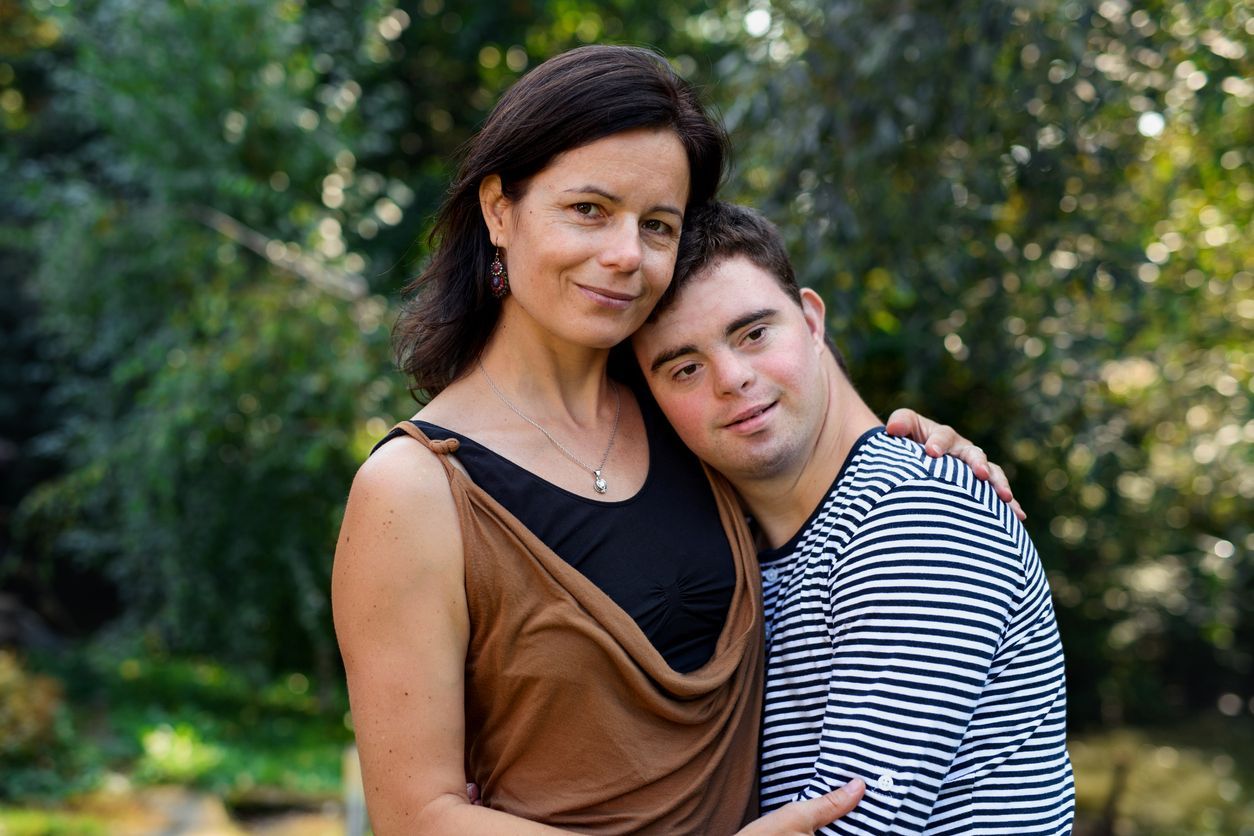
column 654, row 225
column 585, row 208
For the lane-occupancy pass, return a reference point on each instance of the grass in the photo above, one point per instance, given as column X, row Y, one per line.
column 35, row 822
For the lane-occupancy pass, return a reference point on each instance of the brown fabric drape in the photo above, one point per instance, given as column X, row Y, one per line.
column 572, row 717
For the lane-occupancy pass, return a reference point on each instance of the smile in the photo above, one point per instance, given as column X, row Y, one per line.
column 608, row 298
column 752, row 419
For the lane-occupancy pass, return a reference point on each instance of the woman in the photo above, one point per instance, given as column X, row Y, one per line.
column 536, row 588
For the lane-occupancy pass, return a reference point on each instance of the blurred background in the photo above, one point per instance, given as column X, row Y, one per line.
column 1031, row 219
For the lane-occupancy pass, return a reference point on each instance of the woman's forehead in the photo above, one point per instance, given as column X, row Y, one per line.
column 623, row 165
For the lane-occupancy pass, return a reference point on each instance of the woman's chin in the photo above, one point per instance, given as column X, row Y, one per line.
column 599, row 332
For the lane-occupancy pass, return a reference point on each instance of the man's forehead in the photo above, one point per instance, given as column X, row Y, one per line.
column 729, row 286
column 687, row 310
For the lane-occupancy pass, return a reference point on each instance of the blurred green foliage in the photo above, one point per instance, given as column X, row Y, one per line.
column 1188, row 779
column 1030, row 220
column 36, row 822
column 166, row 720
column 1034, row 221
column 38, row 752
column 215, row 204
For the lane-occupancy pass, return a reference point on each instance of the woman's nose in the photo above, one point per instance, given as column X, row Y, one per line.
column 622, row 250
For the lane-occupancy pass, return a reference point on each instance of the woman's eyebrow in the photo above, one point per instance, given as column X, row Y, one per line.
column 612, row 198
column 616, row 200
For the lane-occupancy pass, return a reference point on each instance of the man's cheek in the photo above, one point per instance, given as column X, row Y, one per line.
column 687, row 417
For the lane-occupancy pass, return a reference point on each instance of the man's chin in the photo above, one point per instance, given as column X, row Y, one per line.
column 755, row 465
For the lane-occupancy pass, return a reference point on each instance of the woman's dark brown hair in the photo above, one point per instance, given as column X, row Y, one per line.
column 568, row 101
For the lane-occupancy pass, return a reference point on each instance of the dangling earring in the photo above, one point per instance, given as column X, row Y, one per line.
column 499, row 280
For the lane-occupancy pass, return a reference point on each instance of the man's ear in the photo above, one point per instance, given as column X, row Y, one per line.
column 815, row 313
column 495, row 207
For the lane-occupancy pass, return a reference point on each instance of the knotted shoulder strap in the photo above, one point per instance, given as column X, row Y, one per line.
column 441, row 447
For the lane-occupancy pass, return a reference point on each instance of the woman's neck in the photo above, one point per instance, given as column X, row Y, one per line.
column 543, row 375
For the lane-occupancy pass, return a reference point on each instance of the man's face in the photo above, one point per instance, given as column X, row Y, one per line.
column 737, row 366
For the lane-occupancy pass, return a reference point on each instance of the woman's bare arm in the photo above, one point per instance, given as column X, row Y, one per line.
column 400, row 612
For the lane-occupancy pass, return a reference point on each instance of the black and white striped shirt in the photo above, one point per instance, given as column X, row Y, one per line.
column 912, row 643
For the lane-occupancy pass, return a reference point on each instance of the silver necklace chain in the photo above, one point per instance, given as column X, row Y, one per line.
column 598, row 481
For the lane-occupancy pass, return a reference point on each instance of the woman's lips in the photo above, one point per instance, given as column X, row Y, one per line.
column 608, row 298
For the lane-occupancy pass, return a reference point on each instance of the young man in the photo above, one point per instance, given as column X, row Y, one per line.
column 911, row 636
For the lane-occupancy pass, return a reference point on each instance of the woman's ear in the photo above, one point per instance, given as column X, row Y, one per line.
column 495, row 207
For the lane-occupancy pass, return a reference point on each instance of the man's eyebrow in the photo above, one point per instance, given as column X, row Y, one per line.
column 741, row 321
column 616, row 200
column 732, row 327
column 670, row 354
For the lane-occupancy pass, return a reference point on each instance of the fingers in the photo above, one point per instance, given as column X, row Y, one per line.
column 804, row 817
column 977, row 460
column 997, row 478
column 905, row 423
column 1001, row 484
column 835, row 804
column 942, row 439
column 937, row 439
column 973, row 457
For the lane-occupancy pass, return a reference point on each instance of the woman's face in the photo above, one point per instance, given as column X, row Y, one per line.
column 591, row 244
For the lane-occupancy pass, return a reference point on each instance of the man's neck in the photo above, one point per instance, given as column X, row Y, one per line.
column 782, row 503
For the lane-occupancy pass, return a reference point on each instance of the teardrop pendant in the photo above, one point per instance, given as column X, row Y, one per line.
column 599, row 483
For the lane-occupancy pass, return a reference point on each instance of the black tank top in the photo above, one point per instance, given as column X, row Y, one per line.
column 661, row 555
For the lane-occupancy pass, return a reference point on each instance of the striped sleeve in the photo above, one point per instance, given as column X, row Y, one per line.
column 921, row 601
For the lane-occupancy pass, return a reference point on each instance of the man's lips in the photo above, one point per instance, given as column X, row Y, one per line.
column 752, row 418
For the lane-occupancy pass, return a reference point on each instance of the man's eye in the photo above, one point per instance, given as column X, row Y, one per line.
column 585, row 208
column 685, row 372
column 756, row 334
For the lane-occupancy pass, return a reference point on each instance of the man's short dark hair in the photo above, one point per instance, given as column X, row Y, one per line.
column 719, row 231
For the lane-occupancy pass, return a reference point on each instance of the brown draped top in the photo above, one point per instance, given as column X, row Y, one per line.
column 572, row 716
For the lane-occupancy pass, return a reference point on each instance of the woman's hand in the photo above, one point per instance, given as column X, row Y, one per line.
column 940, row 439
column 802, row 818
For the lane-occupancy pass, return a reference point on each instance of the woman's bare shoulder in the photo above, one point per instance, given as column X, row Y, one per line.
column 401, row 520
column 401, row 465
